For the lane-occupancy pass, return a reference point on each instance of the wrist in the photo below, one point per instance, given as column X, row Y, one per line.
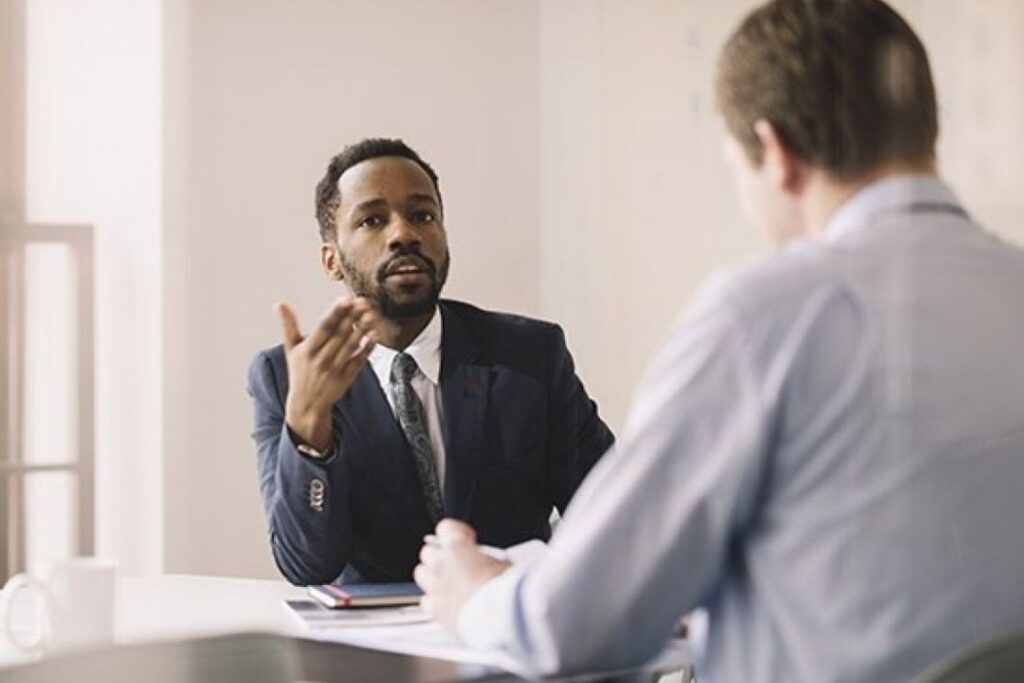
column 312, row 428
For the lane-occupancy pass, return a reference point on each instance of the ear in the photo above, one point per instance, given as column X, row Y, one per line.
column 330, row 260
column 784, row 169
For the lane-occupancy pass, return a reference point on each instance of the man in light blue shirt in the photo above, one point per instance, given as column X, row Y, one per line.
column 828, row 455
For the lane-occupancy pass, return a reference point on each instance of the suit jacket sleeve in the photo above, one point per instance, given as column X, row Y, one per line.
column 310, row 542
column 578, row 436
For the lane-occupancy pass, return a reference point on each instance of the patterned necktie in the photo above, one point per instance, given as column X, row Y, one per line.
column 413, row 422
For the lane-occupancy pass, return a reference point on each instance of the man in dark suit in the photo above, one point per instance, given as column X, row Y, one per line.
column 401, row 408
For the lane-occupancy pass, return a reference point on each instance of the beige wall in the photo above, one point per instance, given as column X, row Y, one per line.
column 636, row 202
column 580, row 160
column 12, row 111
column 91, row 146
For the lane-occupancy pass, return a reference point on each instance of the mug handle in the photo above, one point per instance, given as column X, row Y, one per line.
column 15, row 584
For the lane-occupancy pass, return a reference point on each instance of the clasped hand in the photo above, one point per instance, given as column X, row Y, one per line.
column 451, row 570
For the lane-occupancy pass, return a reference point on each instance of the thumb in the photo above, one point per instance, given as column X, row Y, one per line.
column 289, row 325
column 454, row 531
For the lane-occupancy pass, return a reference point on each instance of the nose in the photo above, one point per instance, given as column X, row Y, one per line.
column 403, row 235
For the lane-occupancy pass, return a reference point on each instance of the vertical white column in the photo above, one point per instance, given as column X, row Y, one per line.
column 94, row 156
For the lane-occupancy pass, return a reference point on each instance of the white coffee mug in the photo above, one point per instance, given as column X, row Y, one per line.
column 75, row 606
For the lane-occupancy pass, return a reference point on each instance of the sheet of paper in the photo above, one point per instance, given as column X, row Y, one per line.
column 430, row 639
column 425, row 639
column 313, row 616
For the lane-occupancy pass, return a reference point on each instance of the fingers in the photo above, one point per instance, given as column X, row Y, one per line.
column 351, row 346
column 357, row 359
column 329, row 326
column 352, row 337
column 453, row 531
column 429, row 553
column 289, row 325
column 428, row 606
column 339, row 333
column 423, row 578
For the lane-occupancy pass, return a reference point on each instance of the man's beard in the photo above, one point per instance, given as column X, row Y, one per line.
column 361, row 285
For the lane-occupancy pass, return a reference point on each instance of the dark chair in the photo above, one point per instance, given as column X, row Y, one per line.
column 996, row 661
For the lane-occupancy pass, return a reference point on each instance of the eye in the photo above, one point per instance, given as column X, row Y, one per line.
column 371, row 221
column 423, row 216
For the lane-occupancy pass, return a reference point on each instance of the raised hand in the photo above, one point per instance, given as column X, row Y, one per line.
column 322, row 366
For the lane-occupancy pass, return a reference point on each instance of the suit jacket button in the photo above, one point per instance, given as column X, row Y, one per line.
column 316, row 495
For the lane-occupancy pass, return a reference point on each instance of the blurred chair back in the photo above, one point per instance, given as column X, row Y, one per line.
column 996, row 661
column 245, row 658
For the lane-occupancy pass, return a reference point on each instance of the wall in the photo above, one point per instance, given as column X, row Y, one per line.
column 92, row 146
column 12, row 111
column 258, row 97
column 636, row 202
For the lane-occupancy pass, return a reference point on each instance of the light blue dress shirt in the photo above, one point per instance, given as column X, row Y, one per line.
column 828, row 456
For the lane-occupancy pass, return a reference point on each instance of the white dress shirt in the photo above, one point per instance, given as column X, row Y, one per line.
column 425, row 349
column 828, row 456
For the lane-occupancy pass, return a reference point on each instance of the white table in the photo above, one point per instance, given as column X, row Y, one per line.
column 174, row 607
column 179, row 606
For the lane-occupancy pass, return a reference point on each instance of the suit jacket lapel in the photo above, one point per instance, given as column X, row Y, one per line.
column 365, row 415
column 464, row 390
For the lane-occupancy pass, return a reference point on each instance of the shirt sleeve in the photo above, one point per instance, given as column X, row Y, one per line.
column 647, row 536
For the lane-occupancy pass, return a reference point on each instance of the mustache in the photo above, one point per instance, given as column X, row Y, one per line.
column 408, row 256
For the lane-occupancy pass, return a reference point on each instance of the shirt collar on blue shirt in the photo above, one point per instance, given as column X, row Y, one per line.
column 425, row 350
column 888, row 194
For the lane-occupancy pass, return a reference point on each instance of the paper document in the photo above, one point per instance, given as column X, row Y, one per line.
column 430, row 639
column 406, row 630
column 424, row 639
column 313, row 616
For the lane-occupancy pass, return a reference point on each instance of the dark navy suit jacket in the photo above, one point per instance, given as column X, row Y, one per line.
column 520, row 435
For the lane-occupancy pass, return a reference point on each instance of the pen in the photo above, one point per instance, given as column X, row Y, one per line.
column 490, row 551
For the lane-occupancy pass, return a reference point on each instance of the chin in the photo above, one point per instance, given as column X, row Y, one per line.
column 401, row 307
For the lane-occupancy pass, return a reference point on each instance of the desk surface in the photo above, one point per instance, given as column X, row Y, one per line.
column 180, row 607
column 175, row 606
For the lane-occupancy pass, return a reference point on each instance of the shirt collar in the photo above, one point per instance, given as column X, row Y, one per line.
column 425, row 349
column 889, row 194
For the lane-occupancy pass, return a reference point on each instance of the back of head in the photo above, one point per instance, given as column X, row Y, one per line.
column 846, row 83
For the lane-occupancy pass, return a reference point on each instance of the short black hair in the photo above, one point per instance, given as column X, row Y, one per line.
column 328, row 196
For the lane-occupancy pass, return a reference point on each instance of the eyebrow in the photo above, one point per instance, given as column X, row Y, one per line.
column 420, row 197
column 367, row 205
column 377, row 203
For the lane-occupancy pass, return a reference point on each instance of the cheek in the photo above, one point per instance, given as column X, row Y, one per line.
column 358, row 262
column 436, row 241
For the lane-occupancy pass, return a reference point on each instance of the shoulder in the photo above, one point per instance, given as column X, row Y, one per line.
column 497, row 327
column 268, row 370
column 779, row 284
column 269, row 358
column 795, row 298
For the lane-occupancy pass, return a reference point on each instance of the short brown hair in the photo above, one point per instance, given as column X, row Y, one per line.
column 846, row 84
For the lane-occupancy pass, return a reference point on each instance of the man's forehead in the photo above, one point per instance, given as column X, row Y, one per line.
column 384, row 174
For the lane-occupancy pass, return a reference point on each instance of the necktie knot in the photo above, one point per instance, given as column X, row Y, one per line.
column 403, row 368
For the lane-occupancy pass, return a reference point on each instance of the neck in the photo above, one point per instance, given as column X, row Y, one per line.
column 398, row 334
column 824, row 194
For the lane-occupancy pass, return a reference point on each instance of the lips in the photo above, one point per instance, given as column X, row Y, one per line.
column 408, row 265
